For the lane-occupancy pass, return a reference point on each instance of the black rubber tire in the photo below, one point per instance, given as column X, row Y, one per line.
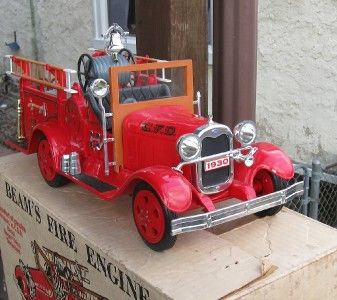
column 168, row 241
column 58, row 180
column 276, row 209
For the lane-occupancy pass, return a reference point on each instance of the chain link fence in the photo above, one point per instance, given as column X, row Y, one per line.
column 327, row 209
column 319, row 200
column 298, row 204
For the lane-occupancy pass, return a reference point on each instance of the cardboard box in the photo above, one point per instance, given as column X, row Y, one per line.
column 303, row 250
column 66, row 242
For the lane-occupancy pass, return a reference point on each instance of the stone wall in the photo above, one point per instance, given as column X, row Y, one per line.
column 297, row 77
column 15, row 15
column 64, row 29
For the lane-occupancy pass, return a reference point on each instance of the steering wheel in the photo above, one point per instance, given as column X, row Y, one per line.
column 127, row 54
column 84, row 68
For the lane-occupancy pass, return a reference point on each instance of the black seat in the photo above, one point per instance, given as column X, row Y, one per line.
column 143, row 93
column 96, row 108
column 100, row 69
column 128, row 95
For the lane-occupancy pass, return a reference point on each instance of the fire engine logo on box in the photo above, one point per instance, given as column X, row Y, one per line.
column 55, row 277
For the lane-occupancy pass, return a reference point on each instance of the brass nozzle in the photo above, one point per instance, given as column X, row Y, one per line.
column 20, row 136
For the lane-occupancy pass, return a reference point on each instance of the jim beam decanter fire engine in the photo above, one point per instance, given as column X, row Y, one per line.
column 139, row 135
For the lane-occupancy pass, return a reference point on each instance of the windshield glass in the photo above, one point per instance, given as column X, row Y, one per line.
column 149, row 81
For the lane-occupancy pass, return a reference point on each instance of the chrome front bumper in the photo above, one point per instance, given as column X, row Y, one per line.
column 236, row 211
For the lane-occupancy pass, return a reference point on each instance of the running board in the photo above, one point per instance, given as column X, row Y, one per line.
column 94, row 183
column 18, row 146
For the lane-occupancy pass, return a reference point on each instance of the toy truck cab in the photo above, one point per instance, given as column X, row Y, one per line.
column 129, row 127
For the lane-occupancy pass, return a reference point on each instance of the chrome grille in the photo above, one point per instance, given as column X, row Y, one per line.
column 215, row 139
column 212, row 146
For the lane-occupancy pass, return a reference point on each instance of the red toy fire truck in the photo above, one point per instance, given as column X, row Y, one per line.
column 139, row 135
column 55, row 278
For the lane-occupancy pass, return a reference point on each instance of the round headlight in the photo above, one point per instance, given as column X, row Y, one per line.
column 189, row 147
column 245, row 132
column 99, row 88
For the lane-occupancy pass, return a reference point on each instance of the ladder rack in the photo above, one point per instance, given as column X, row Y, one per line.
column 41, row 73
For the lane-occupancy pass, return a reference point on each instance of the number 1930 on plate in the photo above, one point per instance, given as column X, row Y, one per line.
column 216, row 164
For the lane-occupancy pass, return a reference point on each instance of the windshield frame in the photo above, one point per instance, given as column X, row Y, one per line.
column 120, row 111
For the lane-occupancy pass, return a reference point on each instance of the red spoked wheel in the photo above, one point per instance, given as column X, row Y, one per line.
column 47, row 165
column 265, row 183
column 152, row 219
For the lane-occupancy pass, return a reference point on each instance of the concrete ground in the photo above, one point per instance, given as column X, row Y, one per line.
column 8, row 114
column 5, row 151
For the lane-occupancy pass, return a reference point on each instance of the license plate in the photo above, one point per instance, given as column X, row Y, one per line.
column 216, row 164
